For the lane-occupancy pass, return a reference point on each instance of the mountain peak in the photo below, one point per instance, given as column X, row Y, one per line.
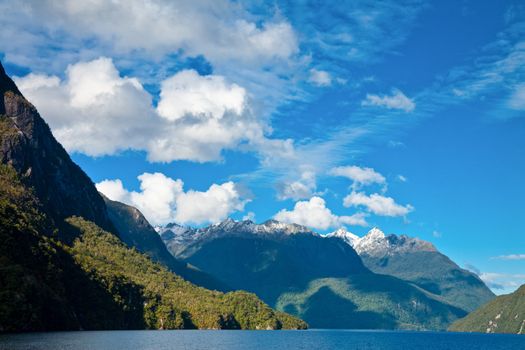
column 277, row 226
column 6, row 84
column 345, row 235
column 376, row 243
column 375, row 233
column 28, row 145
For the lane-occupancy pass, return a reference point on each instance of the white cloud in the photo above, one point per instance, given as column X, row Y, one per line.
column 502, row 283
column 221, row 30
column 114, row 190
column 359, row 176
column 97, row 112
column 188, row 93
column 315, row 214
column 398, row 100
column 320, row 77
column 93, row 111
column 402, row 178
column 517, row 99
column 210, row 206
column 163, row 200
column 249, row 216
column 510, row 257
column 377, row 204
column 299, row 189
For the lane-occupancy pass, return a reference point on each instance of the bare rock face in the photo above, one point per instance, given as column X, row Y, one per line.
column 26, row 143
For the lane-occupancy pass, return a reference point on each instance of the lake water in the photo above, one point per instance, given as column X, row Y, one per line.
column 264, row 340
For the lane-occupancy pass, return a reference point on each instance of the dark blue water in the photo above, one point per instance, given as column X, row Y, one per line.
column 264, row 340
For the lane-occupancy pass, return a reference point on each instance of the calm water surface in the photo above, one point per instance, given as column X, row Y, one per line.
column 264, row 340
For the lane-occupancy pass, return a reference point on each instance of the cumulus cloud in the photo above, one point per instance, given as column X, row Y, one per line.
column 188, row 93
column 299, row 189
column 320, row 77
column 162, row 199
column 314, row 213
column 97, row 112
column 94, row 110
column 397, row 100
column 377, row 204
column 359, row 176
column 211, row 206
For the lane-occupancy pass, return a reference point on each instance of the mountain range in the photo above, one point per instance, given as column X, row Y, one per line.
column 420, row 263
column 333, row 281
column 71, row 259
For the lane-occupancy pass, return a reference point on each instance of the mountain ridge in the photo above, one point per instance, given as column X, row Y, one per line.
column 63, row 264
column 419, row 262
column 504, row 314
column 28, row 145
column 298, row 271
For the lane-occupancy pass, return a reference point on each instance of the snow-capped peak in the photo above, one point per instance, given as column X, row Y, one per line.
column 277, row 226
column 345, row 235
column 375, row 234
column 376, row 243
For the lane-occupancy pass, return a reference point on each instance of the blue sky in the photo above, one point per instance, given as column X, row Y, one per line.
column 407, row 115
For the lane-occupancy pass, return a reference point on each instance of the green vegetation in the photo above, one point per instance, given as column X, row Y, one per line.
column 62, row 265
column 504, row 314
column 32, row 295
column 435, row 273
column 368, row 301
column 321, row 281
column 135, row 231
column 168, row 300
column 98, row 282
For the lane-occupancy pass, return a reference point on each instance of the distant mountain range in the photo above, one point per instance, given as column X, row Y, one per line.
column 333, row 281
column 70, row 259
column 420, row 263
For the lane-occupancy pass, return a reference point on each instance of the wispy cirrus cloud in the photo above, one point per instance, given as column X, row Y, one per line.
column 397, row 100
column 502, row 283
column 360, row 176
column 509, row 257
column 320, row 77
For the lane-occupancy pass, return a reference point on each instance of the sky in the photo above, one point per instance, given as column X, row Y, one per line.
column 405, row 115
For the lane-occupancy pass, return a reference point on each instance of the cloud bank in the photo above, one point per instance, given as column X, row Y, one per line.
column 96, row 111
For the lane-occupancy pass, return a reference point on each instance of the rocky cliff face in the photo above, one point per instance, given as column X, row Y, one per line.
column 29, row 146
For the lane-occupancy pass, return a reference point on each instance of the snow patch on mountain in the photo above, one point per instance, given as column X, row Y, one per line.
column 375, row 243
column 178, row 237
